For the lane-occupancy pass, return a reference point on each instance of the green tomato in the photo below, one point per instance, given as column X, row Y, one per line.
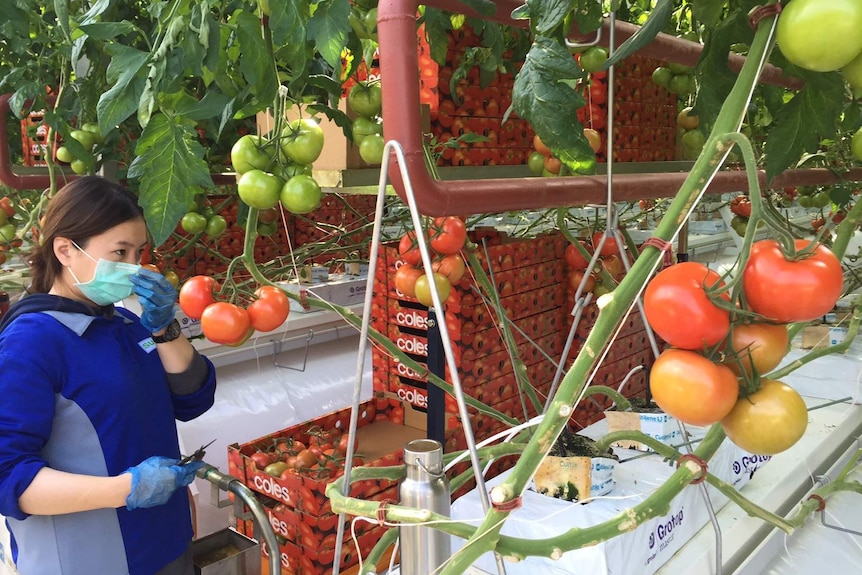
column 818, row 35
column 856, row 145
column 7, row 232
column 301, row 194
column 264, row 7
column 852, row 72
column 216, row 226
column 593, row 59
column 693, row 140
column 302, row 141
column 266, row 229
column 87, row 139
column 661, row 76
column 94, row 129
column 681, row 84
column 291, row 170
column 4, row 218
column 259, row 189
column 371, row 149
column 680, row 69
column 363, row 126
column 80, row 167
column 738, row 224
column 366, row 99
column 248, row 153
column 536, row 163
column 193, row 223
column 820, row 199
column 804, row 201
column 64, row 155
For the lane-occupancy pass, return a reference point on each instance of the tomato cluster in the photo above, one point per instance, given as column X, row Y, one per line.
column 80, row 155
column 323, row 456
column 202, row 219
column 365, row 99
column 609, row 260
column 714, row 369
column 8, row 228
column 446, row 236
column 227, row 323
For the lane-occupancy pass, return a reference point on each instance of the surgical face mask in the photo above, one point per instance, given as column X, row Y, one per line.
column 110, row 282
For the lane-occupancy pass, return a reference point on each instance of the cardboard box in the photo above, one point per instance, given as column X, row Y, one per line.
column 340, row 289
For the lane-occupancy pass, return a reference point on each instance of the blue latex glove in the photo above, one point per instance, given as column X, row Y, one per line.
column 157, row 296
column 156, row 479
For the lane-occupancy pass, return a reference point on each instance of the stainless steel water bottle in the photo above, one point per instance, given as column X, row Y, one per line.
column 423, row 548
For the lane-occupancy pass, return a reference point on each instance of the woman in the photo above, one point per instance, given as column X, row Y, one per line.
column 89, row 481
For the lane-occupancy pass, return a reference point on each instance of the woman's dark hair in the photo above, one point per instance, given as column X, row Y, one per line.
column 83, row 208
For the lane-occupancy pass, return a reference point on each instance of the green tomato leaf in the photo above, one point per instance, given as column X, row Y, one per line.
column 328, row 29
column 481, row 7
column 121, row 100
column 209, row 106
column 588, row 15
column 255, row 62
column 542, row 97
column 659, row 18
column 107, row 30
column 170, row 168
column 708, row 11
column 810, row 116
column 437, row 26
column 547, row 15
column 288, row 24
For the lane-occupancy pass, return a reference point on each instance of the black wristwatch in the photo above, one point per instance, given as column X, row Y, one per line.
column 172, row 333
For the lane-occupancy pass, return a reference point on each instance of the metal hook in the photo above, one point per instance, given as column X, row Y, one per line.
column 593, row 42
column 276, row 349
column 836, row 527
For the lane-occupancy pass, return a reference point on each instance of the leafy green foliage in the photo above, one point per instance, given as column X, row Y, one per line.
column 657, row 21
column 542, row 97
column 170, row 172
column 810, row 115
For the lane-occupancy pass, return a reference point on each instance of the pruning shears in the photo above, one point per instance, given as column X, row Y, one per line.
column 197, row 455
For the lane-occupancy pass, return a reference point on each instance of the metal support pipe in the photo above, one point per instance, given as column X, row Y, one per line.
column 235, row 485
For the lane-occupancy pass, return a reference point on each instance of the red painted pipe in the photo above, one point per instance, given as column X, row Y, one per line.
column 399, row 64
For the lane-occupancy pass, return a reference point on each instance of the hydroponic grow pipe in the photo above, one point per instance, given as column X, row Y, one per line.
column 399, row 65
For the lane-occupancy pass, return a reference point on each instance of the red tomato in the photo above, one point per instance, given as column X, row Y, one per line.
column 196, row 295
column 269, row 310
column 790, row 291
column 451, row 266
column 768, row 421
column 692, row 388
column 405, row 279
column 448, row 235
column 408, row 249
column 261, row 459
column 609, row 248
column 758, row 348
column 679, row 310
column 540, row 146
column 577, row 276
column 225, row 323
column 574, row 258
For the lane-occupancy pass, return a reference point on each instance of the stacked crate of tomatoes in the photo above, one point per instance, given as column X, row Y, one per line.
column 629, row 355
column 528, row 276
column 290, row 470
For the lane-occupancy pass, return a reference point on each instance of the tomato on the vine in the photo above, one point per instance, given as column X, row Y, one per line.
column 692, row 388
column 768, row 421
column 574, row 258
column 405, row 279
column 269, row 310
column 225, row 323
column 6, row 206
column 422, row 289
column 364, row 127
column 448, row 235
column 593, row 59
column 216, row 226
column 248, row 153
column 302, row 141
column 757, row 347
column 741, row 206
column 789, row 291
column 609, row 248
column 820, row 36
column 451, row 266
column 593, row 138
column 301, row 194
column 193, row 223
column 371, row 149
column 196, row 295
column 259, row 189
column 365, row 99
column 679, row 310
column 408, row 249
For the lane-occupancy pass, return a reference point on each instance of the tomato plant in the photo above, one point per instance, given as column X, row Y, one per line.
column 536, row 163
column 593, row 58
column 741, row 206
column 371, row 149
column 405, row 279
column 757, row 348
column 692, row 388
column 301, row 194
column 686, row 119
column 679, row 309
column 408, row 249
column 769, row 421
column 574, row 258
column 593, row 138
column 609, row 248
column 363, row 127
column 451, row 266
column 270, row 309
column 193, row 223
column 196, row 295
column 248, row 153
column 216, row 226
column 785, row 290
column 448, row 235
